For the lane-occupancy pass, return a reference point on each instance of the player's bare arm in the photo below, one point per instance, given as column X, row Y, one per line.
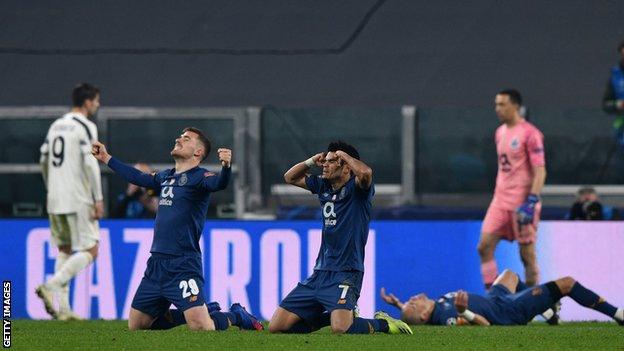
column 43, row 162
column 363, row 173
column 461, row 305
column 539, row 178
column 92, row 170
column 98, row 209
column 296, row 174
column 391, row 299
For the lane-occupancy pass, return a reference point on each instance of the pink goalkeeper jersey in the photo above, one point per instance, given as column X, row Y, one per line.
column 519, row 149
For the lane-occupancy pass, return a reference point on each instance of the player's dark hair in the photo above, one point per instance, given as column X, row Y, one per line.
column 202, row 139
column 514, row 96
column 83, row 92
column 342, row 146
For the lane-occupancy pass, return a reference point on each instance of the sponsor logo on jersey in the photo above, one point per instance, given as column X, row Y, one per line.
column 329, row 214
column 166, row 194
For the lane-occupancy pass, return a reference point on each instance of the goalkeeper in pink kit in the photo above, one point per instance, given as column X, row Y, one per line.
column 515, row 209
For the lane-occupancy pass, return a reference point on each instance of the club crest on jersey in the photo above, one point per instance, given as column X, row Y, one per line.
column 515, row 144
column 183, row 179
column 342, row 194
column 329, row 214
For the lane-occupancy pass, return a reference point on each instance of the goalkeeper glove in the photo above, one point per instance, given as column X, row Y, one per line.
column 527, row 210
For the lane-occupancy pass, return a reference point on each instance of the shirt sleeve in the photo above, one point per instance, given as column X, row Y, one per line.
column 43, row 161
column 133, row 175
column 535, row 148
column 84, row 141
column 92, row 170
column 314, row 183
column 45, row 147
column 214, row 182
column 367, row 193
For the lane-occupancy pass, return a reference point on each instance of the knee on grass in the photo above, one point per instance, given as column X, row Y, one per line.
column 134, row 325
column 341, row 327
column 199, row 325
column 275, row 328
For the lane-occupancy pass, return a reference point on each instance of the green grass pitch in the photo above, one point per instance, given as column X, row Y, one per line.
column 113, row 335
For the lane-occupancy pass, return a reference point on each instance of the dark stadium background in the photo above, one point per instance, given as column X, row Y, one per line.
column 410, row 83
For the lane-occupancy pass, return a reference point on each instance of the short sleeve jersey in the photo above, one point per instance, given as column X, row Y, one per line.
column 346, row 216
column 519, row 149
column 66, row 145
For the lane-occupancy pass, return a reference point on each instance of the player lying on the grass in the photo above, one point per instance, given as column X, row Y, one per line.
column 509, row 302
column 328, row 297
column 174, row 272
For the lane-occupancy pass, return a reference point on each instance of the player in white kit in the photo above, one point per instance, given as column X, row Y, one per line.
column 74, row 196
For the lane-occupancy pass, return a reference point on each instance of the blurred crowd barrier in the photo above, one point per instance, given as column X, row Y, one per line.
column 423, row 156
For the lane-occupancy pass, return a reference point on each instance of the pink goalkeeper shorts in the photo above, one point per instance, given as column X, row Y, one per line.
column 502, row 222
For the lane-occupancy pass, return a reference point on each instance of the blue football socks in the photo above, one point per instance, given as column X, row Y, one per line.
column 588, row 298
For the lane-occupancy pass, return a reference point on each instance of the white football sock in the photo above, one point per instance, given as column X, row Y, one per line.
column 548, row 314
column 63, row 293
column 74, row 264
column 619, row 314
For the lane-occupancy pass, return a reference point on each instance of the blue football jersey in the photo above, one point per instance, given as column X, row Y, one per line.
column 182, row 207
column 346, row 217
column 495, row 311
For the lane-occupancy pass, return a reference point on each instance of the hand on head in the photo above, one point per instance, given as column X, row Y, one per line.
column 319, row 159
